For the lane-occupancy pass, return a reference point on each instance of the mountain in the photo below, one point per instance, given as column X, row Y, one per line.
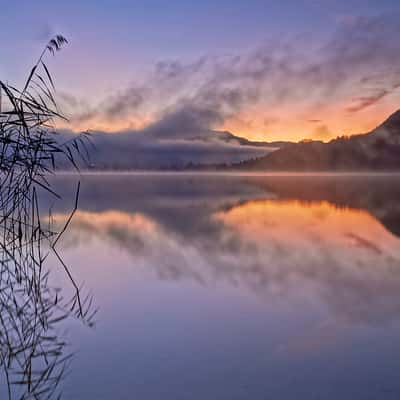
column 159, row 148
column 229, row 137
column 378, row 150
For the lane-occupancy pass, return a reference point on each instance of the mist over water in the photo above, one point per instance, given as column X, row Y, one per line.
column 234, row 286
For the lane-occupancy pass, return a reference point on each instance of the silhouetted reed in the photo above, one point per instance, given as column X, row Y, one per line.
column 31, row 354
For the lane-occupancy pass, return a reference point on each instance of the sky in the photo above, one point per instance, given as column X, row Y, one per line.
column 261, row 69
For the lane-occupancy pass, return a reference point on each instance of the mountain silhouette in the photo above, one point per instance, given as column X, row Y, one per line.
column 378, row 150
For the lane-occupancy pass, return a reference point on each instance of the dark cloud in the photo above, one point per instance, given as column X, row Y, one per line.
column 367, row 101
column 121, row 104
column 68, row 100
column 185, row 121
column 209, row 107
column 116, row 106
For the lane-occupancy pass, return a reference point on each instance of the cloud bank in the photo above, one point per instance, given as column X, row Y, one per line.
column 354, row 70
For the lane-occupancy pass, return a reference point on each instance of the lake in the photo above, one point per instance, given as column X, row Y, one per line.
column 234, row 286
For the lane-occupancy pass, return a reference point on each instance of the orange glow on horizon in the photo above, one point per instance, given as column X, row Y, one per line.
column 283, row 124
column 290, row 124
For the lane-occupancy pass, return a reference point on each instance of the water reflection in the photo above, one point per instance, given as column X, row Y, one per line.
column 296, row 279
column 33, row 353
column 345, row 256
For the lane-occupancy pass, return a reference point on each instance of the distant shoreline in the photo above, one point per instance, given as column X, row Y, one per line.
column 230, row 173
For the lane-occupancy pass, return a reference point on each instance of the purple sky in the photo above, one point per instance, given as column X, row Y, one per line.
column 261, row 69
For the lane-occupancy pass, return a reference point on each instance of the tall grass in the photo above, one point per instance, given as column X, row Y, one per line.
column 32, row 357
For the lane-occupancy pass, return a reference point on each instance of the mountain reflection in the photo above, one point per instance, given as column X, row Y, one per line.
column 270, row 238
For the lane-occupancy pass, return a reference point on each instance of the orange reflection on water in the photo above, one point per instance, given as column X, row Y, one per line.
column 295, row 222
column 342, row 258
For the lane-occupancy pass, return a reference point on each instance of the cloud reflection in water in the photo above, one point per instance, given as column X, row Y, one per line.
column 341, row 257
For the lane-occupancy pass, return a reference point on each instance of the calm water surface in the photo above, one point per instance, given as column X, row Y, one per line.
column 235, row 287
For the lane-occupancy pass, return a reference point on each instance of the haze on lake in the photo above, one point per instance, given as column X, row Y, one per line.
column 235, row 286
